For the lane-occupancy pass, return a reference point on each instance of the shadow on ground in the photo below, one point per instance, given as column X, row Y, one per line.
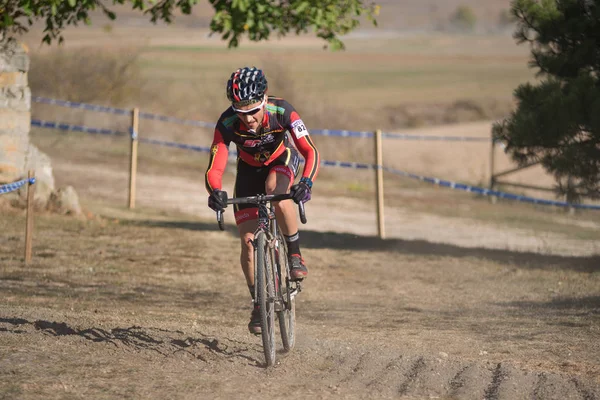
column 348, row 241
column 161, row 341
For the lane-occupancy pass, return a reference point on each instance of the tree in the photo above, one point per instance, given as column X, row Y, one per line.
column 233, row 19
column 557, row 121
column 464, row 19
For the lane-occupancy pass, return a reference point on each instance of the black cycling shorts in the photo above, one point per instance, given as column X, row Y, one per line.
column 250, row 181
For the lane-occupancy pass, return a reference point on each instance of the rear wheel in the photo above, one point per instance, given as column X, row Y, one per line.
column 265, row 296
column 287, row 316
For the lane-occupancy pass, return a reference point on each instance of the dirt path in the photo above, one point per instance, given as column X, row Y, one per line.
column 154, row 308
column 151, row 304
column 335, row 214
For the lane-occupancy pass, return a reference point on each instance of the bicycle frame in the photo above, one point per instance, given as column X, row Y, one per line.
column 267, row 223
column 274, row 295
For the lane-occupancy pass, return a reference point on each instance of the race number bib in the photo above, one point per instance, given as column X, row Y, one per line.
column 299, row 129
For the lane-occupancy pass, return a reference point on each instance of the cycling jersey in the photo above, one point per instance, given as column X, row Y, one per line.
column 263, row 147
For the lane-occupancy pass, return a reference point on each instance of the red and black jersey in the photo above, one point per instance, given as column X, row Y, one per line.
column 264, row 146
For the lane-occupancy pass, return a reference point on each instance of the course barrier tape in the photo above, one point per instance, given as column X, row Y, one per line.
column 74, row 128
column 346, row 164
column 181, row 121
column 11, row 187
column 488, row 192
column 202, row 124
column 83, row 106
column 175, row 145
column 435, row 138
column 340, row 133
column 342, row 164
column 384, row 135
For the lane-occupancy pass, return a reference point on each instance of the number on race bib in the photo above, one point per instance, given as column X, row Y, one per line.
column 299, row 129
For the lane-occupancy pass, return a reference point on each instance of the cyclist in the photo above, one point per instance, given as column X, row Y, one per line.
column 267, row 162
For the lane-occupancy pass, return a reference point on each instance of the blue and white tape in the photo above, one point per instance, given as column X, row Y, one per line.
column 487, row 192
column 203, row 124
column 346, row 164
column 11, row 187
column 175, row 145
column 120, row 111
column 340, row 133
column 340, row 164
column 83, row 106
column 74, row 128
column 435, row 138
column 384, row 135
column 181, row 121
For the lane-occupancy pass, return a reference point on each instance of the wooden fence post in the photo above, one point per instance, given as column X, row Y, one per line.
column 379, row 183
column 493, row 199
column 29, row 217
column 133, row 160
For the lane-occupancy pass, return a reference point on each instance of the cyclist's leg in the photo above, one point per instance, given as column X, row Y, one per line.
column 249, row 182
column 246, row 231
column 280, row 178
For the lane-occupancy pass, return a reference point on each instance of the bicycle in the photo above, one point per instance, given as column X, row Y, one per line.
column 274, row 291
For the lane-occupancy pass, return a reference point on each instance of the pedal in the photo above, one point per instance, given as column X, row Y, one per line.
column 279, row 306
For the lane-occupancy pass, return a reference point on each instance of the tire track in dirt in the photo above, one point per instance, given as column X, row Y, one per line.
column 417, row 366
column 457, row 381
column 368, row 372
column 358, row 371
column 388, row 374
column 491, row 393
column 585, row 394
column 552, row 387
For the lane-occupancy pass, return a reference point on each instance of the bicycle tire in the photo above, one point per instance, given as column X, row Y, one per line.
column 266, row 295
column 287, row 316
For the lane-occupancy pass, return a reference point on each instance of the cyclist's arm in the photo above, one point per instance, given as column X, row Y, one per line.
column 305, row 145
column 219, row 152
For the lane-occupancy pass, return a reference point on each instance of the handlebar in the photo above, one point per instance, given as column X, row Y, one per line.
column 260, row 199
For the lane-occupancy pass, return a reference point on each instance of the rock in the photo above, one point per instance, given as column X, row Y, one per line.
column 44, row 179
column 65, row 201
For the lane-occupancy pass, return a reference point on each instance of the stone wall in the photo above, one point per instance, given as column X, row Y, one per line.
column 17, row 154
column 15, row 110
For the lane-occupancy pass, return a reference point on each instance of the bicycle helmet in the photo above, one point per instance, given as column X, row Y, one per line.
column 246, row 85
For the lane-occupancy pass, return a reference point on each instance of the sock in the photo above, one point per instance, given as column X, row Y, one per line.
column 251, row 289
column 293, row 243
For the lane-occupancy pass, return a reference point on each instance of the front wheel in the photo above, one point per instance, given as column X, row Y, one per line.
column 266, row 295
column 287, row 316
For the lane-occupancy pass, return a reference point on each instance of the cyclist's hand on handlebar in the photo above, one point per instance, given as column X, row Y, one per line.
column 301, row 191
column 217, row 200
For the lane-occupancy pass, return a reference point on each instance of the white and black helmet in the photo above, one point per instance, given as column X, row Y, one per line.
column 246, row 85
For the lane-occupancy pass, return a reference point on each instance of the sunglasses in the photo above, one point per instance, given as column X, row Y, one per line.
column 251, row 111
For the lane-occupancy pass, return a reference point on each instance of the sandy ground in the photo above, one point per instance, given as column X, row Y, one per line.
column 150, row 303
